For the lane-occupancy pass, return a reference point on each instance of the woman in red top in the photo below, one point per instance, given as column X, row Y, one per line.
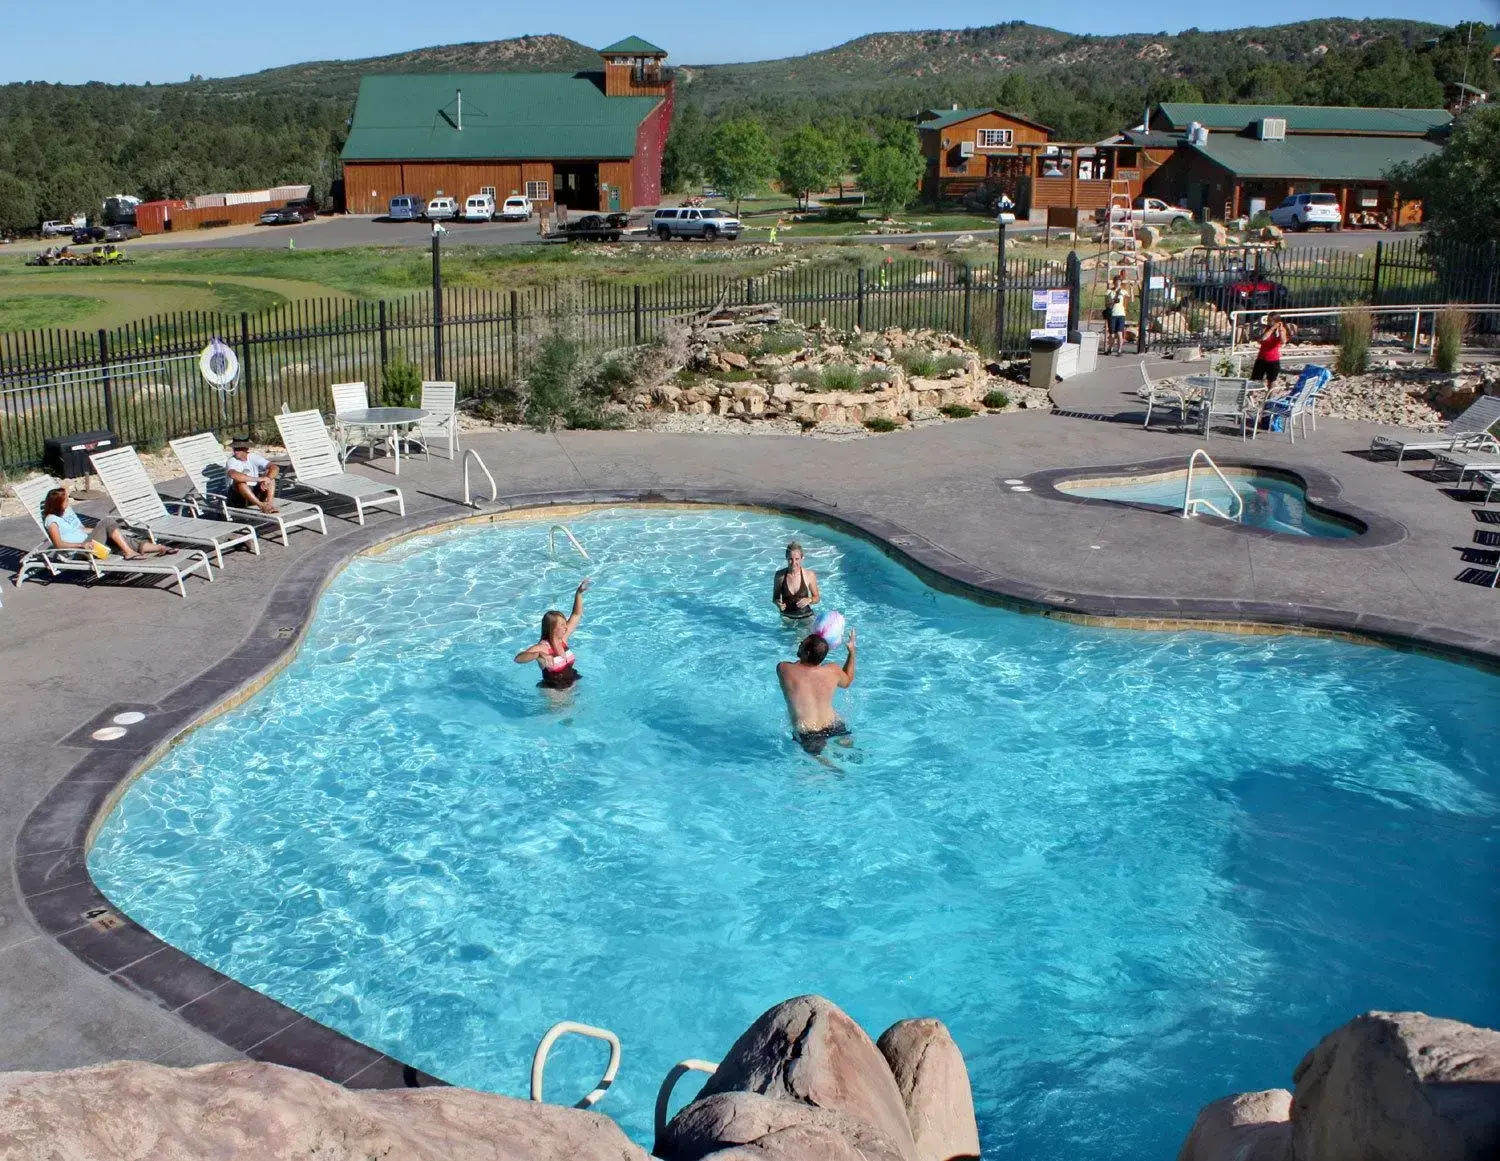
column 1268, row 358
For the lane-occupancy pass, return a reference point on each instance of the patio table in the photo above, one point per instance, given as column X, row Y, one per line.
column 391, row 420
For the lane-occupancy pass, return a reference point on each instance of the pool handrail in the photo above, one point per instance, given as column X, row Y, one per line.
column 664, row 1094
column 573, row 540
column 494, row 490
column 563, row 1028
column 1191, row 504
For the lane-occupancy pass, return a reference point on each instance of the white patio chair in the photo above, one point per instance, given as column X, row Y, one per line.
column 204, row 460
column 439, row 427
column 56, row 560
column 1226, row 399
column 315, row 458
column 349, row 397
column 140, row 506
column 1160, row 395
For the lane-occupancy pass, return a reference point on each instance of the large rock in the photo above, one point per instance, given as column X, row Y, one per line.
column 807, row 1050
column 247, row 1111
column 1399, row 1086
column 770, row 1127
column 934, row 1083
column 1251, row 1126
column 1214, row 235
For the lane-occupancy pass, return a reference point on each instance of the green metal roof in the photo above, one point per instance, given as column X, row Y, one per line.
column 506, row 116
column 634, row 46
column 1307, row 118
column 951, row 117
column 1314, row 158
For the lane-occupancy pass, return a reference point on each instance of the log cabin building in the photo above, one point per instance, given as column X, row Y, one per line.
column 587, row 140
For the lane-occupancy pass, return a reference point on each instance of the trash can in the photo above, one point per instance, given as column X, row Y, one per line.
column 67, row 456
column 1044, row 350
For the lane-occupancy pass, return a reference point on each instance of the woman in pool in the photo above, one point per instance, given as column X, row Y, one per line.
column 66, row 530
column 795, row 589
column 552, row 652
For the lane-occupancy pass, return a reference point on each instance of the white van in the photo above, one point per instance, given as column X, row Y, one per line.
column 406, row 208
column 442, row 209
column 515, row 209
column 479, row 208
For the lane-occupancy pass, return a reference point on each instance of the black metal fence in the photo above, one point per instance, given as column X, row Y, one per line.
column 143, row 381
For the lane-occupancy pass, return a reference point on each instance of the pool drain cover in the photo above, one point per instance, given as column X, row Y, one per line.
column 109, row 733
column 128, row 718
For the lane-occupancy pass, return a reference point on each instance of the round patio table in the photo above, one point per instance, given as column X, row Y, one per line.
column 390, row 420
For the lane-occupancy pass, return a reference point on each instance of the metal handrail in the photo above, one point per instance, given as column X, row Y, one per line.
column 562, row 1028
column 494, row 490
column 1190, row 505
column 1241, row 316
column 573, row 540
column 664, row 1094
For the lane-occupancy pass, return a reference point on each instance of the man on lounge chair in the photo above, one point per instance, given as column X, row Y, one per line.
column 252, row 477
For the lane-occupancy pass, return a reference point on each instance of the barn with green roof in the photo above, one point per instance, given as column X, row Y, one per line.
column 588, row 140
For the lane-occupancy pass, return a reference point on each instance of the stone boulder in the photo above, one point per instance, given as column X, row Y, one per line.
column 1271, row 233
column 1214, row 235
column 1399, row 1086
column 806, row 1050
column 247, row 1111
column 722, row 1124
column 934, row 1083
column 1251, row 1126
column 1150, row 237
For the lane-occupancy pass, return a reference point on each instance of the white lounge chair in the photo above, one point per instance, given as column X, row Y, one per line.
column 141, row 507
column 439, row 427
column 56, row 560
column 1475, row 459
column 315, row 458
column 1466, row 430
column 203, row 458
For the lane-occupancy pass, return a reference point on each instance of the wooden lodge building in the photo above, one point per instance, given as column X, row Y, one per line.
column 586, row 140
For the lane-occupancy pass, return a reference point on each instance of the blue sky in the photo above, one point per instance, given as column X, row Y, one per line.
column 167, row 40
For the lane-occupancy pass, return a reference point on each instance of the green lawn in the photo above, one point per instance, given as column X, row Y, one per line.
column 25, row 312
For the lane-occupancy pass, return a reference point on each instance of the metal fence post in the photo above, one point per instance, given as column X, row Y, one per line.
column 749, row 291
column 640, row 320
column 1075, row 292
column 515, row 333
column 859, row 298
column 1489, row 272
column 437, row 307
column 1375, row 274
column 968, row 302
column 247, row 380
column 1000, row 289
column 109, row 393
column 384, row 348
column 1145, row 306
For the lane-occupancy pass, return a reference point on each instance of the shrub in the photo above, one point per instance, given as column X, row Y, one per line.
column 916, row 363
column 1257, row 222
column 841, row 213
column 808, row 377
column 876, row 377
column 881, row 424
column 780, row 343
column 615, row 378
column 400, row 383
column 841, row 377
column 1187, row 226
column 945, row 363
column 562, row 388
column 996, row 400
column 1354, row 342
column 688, row 378
column 1448, row 335
column 957, row 411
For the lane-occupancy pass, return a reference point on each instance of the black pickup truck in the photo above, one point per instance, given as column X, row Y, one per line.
column 592, row 228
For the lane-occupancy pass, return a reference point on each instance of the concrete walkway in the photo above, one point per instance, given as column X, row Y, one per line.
column 74, row 654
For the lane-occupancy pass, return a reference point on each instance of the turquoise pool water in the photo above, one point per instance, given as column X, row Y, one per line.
column 1132, row 871
column 1270, row 502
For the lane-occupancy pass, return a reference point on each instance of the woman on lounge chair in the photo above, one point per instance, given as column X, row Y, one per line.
column 66, row 530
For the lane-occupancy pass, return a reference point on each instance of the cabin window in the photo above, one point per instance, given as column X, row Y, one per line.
column 487, row 191
column 995, row 138
column 539, row 191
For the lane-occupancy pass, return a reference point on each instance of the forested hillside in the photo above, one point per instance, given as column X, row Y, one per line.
column 65, row 147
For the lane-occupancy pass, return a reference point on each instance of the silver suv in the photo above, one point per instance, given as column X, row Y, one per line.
column 688, row 222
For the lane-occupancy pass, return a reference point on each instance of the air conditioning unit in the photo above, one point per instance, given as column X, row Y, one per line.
column 1271, row 128
column 966, row 149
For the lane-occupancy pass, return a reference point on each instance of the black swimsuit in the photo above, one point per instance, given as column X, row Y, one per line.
column 788, row 609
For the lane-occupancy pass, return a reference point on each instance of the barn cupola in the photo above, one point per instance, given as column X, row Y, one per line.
column 633, row 68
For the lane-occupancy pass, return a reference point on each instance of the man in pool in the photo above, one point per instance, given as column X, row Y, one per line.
column 808, row 685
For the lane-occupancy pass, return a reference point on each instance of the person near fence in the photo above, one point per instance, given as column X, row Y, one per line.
column 1267, row 366
column 1116, row 307
column 66, row 530
column 252, row 477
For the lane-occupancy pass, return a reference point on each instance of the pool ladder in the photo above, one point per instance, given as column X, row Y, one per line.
column 573, row 540
column 471, row 454
column 611, row 1070
column 1191, row 503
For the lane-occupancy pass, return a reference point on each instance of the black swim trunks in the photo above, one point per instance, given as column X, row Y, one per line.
column 813, row 741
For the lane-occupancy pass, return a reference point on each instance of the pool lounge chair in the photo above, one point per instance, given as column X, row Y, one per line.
column 315, row 458
column 1466, row 430
column 56, row 560
column 140, row 506
column 203, row 458
column 1474, row 460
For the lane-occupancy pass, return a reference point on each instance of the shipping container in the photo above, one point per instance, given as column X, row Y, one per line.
column 289, row 193
column 156, row 217
column 205, row 200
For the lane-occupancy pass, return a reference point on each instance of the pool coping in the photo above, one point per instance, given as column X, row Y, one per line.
column 51, row 848
column 1323, row 491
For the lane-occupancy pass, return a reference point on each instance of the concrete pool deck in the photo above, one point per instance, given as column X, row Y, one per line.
column 74, row 655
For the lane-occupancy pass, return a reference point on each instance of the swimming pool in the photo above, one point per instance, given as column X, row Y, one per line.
column 1272, row 502
column 1132, row 871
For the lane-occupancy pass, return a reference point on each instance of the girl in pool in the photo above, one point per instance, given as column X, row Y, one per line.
column 795, row 589
column 552, row 652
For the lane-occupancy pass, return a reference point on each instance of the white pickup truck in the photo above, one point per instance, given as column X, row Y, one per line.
column 1149, row 212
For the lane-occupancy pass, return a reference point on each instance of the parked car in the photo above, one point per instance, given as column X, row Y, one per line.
column 53, row 229
column 479, row 208
column 83, row 235
column 515, row 209
column 1151, row 212
column 1305, row 210
column 442, row 209
column 691, row 222
column 406, row 208
column 282, row 216
column 121, row 233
